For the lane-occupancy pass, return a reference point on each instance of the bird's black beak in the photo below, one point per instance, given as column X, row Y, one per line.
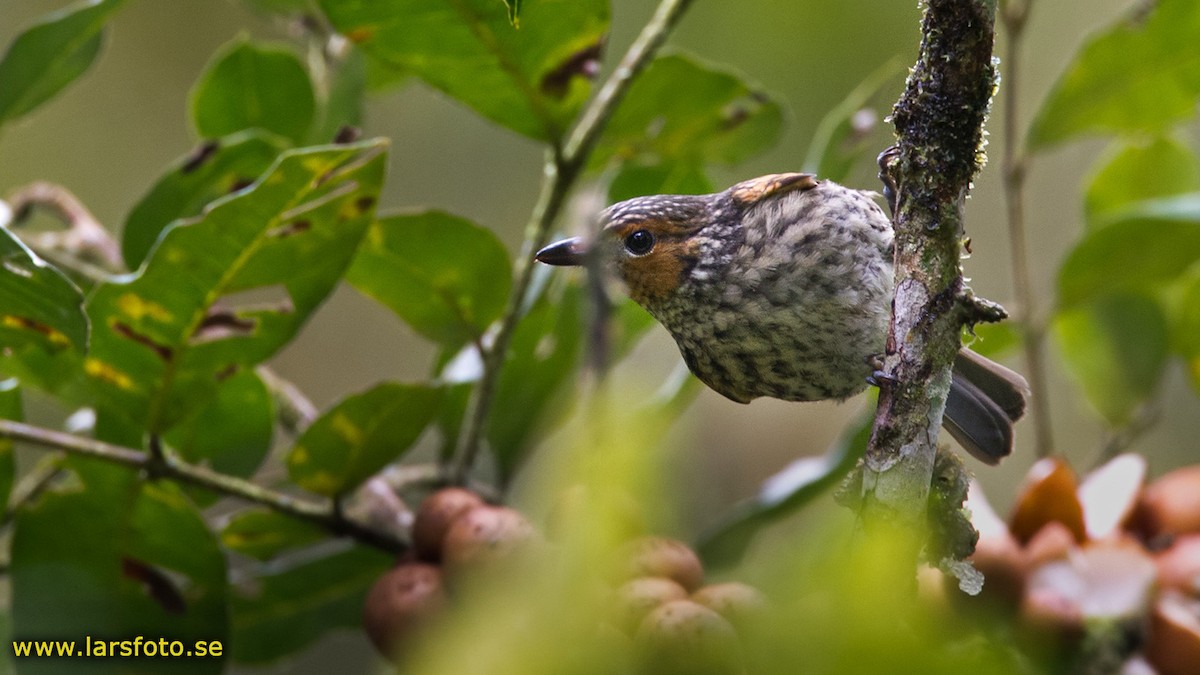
column 565, row 253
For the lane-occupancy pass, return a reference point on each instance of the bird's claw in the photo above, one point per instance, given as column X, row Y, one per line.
column 880, row 379
column 887, row 160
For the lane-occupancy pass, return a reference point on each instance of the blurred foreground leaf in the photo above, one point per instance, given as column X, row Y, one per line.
column 360, row 436
column 214, row 169
column 166, row 338
column 1186, row 328
column 49, row 55
column 1116, row 348
column 785, row 493
column 283, row 609
column 249, row 86
column 1141, row 75
column 531, row 80
column 445, row 276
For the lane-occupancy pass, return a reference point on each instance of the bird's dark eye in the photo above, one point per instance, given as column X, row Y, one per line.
column 640, row 242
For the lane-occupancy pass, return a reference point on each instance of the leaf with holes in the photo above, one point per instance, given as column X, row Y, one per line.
column 1143, row 74
column 50, row 55
column 531, row 80
column 227, row 290
column 361, row 435
column 445, row 276
column 281, row 611
column 213, row 170
column 686, row 111
column 39, row 307
column 250, row 86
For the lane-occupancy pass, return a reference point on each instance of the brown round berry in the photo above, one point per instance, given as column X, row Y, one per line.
column 660, row 557
column 434, row 517
column 638, row 597
column 1171, row 504
column 739, row 603
column 1049, row 494
column 682, row 636
column 1179, row 565
column 483, row 536
column 402, row 603
column 1173, row 643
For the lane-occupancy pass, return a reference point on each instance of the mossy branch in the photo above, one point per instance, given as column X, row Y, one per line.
column 939, row 123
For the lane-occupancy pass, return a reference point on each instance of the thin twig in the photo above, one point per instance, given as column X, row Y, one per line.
column 294, row 410
column 561, row 169
column 322, row 514
column 1015, row 14
column 85, row 238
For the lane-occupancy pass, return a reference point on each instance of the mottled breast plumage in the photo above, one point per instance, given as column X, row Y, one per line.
column 788, row 298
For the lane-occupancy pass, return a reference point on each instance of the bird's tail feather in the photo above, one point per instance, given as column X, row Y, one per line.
column 985, row 400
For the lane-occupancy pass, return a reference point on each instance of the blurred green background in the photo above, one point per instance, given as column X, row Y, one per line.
column 110, row 136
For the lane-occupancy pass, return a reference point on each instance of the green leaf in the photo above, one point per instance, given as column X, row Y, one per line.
column 532, row 81
column 542, row 357
column 360, row 436
column 247, row 86
column 785, row 493
column 49, row 55
column 342, row 104
column 682, row 110
column 1116, row 348
column 264, row 534
column 1143, row 74
column 10, row 409
column 229, row 289
column 1147, row 244
column 843, row 137
column 636, row 180
column 445, row 276
column 1186, row 328
column 1132, row 172
column 231, row 432
column 38, row 305
column 113, row 561
column 215, row 169
column 282, row 611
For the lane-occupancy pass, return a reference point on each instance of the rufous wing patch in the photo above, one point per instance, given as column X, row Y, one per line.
column 756, row 189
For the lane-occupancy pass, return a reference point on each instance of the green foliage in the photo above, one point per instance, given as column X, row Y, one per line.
column 445, row 276
column 39, row 307
column 360, row 436
column 1116, row 347
column 10, row 409
column 214, row 169
column 531, row 80
column 253, row 87
column 1133, row 172
column 1141, row 75
column 287, row 607
column 165, row 338
column 48, row 56
column 263, row 535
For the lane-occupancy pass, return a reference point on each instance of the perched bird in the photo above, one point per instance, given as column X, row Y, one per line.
column 781, row 286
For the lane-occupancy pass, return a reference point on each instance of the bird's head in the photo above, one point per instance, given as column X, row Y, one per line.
column 652, row 243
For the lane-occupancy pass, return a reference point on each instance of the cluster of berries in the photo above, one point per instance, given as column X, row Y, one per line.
column 660, row 612
column 1107, row 561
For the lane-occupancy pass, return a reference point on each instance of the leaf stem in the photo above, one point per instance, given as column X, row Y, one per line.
column 168, row 466
column 1015, row 14
column 560, row 171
